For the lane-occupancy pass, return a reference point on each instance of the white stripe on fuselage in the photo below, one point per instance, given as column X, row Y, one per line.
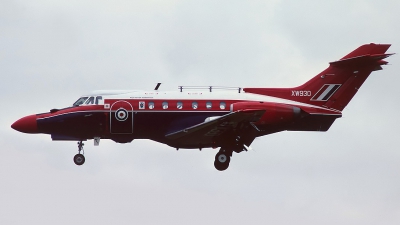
column 214, row 95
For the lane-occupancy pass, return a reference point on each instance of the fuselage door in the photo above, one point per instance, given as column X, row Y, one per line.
column 121, row 118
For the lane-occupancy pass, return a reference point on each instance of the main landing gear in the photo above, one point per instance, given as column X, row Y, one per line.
column 79, row 158
column 222, row 159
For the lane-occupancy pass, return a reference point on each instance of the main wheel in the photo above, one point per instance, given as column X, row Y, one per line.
column 222, row 161
column 79, row 159
column 222, row 158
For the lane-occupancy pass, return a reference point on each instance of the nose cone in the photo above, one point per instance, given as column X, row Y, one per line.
column 26, row 124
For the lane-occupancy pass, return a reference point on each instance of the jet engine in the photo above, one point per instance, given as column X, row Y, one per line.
column 274, row 112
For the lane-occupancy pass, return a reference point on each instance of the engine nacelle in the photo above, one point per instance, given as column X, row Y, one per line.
column 275, row 112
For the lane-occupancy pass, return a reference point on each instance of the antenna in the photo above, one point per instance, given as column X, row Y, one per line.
column 157, row 86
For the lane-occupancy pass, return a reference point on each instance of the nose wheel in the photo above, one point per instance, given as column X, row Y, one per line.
column 79, row 159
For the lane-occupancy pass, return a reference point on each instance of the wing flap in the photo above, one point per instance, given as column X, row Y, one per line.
column 205, row 132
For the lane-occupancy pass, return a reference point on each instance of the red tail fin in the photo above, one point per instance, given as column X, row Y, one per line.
column 335, row 86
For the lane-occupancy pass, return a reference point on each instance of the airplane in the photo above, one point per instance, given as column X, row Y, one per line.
column 210, row 117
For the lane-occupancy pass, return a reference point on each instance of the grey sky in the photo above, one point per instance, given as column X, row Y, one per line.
column 51, row 52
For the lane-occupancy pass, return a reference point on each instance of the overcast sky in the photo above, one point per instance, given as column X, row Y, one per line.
column 51, row 52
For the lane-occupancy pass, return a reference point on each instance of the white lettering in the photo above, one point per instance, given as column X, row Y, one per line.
column 301, row 93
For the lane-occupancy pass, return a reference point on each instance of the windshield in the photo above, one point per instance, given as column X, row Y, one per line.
column 90, row 101
column 80, row 101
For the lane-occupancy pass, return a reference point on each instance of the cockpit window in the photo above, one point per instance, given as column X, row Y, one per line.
column 80, row 101
column 90, row 101
column 98, row 99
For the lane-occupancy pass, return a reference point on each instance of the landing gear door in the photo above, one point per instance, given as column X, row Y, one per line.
column 121, row 118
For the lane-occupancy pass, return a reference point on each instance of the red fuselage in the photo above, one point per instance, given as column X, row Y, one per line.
column 154, row 118
column 210, row 117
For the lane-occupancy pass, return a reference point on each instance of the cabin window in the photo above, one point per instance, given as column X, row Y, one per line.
column 165, row 105
column 179, row 105
column 80, row 101
column 142, row 105
column 195, row 105
column 151, row 105
column 208, row 105
column 90, row 101
column 98, row 100
column 222, row 105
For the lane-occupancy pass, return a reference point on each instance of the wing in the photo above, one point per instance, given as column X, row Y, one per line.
column 213, row 133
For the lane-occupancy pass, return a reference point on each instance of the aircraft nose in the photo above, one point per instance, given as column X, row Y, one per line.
column 26, row 124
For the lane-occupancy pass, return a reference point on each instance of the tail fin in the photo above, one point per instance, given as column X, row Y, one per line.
column 335, row 87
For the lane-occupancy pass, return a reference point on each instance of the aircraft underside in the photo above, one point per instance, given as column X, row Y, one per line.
column 85, row 125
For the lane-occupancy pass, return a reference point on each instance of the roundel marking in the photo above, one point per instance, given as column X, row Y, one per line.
column 121, row 114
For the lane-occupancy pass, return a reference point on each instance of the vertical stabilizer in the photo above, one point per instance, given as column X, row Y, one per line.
column 335, row 86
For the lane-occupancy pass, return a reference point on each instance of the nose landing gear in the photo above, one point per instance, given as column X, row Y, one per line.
column 79, row 158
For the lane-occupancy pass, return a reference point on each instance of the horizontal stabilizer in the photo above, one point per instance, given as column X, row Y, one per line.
column 368, row 49
column 361, row 60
